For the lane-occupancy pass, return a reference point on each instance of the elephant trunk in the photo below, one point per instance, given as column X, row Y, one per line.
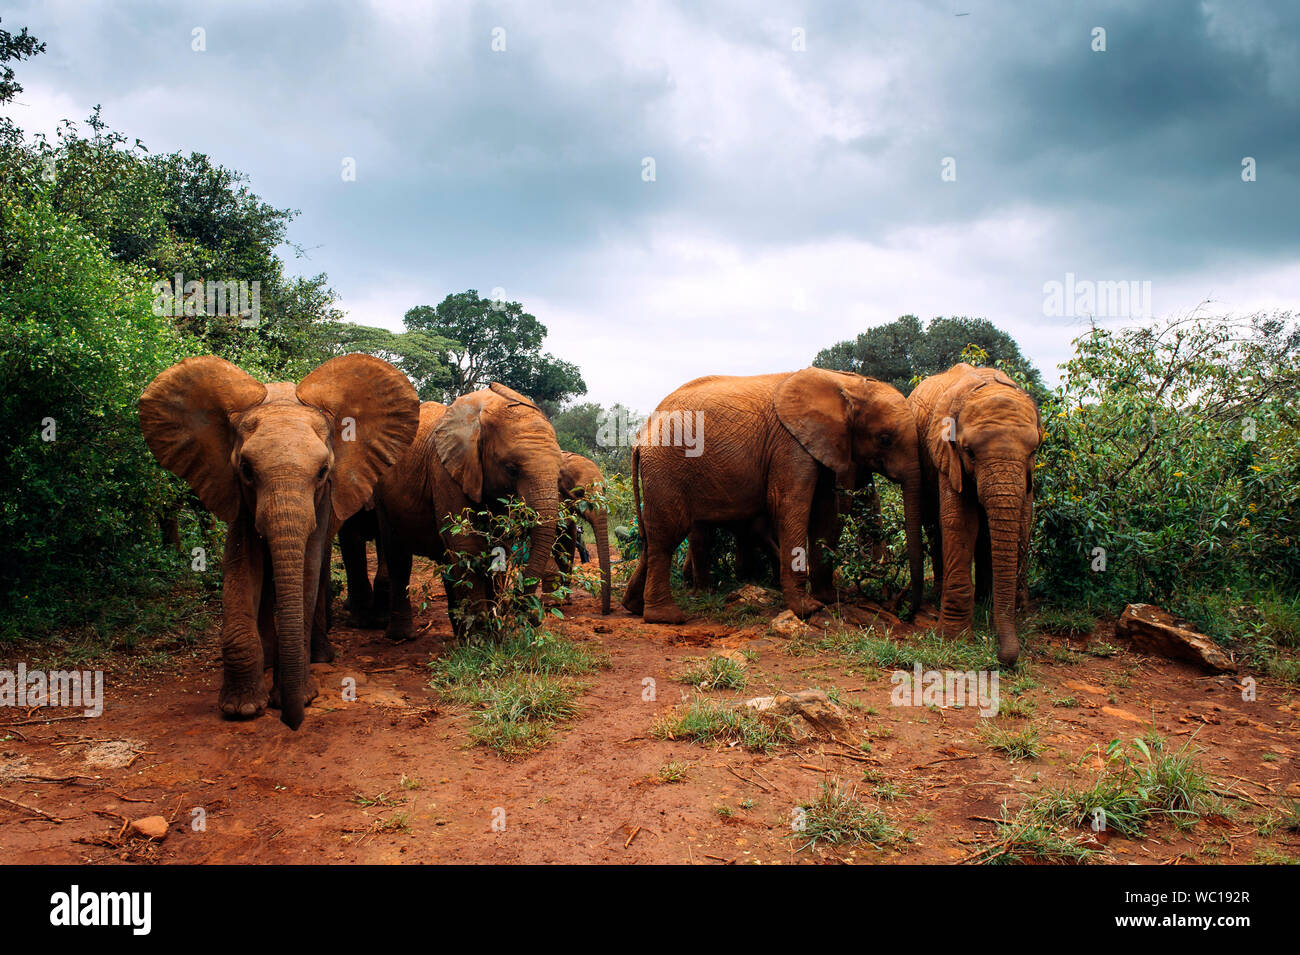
column 288, row 557
column 912, row 524
column 542, row 494
column 1003, row 500
column 599, row 520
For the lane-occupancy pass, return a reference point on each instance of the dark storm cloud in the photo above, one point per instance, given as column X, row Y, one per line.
column 522, row 168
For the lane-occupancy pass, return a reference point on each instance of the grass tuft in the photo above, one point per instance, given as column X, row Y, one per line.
column 838, row 817
column 711, row 721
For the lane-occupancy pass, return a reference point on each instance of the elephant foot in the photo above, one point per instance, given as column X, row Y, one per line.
column 803, row 606
column 399, row 632
column 242, row 702
column 633, row 605
column 322, row 651
column 1009, row 653
column 666, row 614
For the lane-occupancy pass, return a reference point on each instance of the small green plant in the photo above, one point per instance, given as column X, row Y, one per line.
column 1022, row 840
column 713, row 673
column 1015, row 744
column 397, row 822
column 379, row 799
column 673, row 772
column 876, row 651
column 520, row 686
column 709, row 721
column 837, row 817
column 1101, row 649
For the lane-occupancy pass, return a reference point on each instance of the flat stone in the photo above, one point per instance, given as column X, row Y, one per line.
column 752, row 595
column 812, row 706
column 788, row 625
column 1153, row 630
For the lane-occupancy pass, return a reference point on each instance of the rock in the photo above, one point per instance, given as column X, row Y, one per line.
column 812, row 706
column 751, row 595
column 1154, row 631
column 738, row 657
column 150, row 827
column 788, row 625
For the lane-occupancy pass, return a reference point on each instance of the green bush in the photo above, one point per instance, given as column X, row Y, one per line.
column 78, row 344
column 1175, row 448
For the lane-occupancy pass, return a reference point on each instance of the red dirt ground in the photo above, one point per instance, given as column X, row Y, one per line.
column 592, row 794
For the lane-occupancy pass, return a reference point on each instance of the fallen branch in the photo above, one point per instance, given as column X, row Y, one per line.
column 32, row 809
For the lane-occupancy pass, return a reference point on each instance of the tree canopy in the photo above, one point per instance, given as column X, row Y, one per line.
column 491, row 340
column 904, row 351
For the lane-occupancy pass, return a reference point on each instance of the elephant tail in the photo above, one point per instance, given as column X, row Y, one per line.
column 636, row 496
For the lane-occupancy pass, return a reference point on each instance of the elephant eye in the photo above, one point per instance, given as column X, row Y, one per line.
column 886, row 439
column 246, row 470
column 324, row 470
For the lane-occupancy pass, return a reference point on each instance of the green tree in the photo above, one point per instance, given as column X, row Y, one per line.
column 496, row 341
column 585, row 429
column 420, row 354
column 904, row 351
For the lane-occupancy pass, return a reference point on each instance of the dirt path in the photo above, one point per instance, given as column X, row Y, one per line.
column 594, row 794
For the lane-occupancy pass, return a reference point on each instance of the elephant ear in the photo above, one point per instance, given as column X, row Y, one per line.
column 373, row 411
column 185, row 415
column 458, row 439
column 569, row 486
column 943, row 432
column 815, row 406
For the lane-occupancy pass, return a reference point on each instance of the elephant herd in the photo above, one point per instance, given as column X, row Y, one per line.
column 352, row 451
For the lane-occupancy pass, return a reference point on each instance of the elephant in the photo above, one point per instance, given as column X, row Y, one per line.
column 755, row 547
column 578, row 474
column 367, row 604
column 979, row 435
column 773, row 445
column 485, row 446
column 283, row 466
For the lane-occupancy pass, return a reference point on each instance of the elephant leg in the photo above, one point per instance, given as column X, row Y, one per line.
column 401, row 626
column 792, row 517
column 322, row 651
column 352, row 545
column 634, row 595
column 960, row 528
column 824, row 534
column 660, row 607
column 700, row 557
column 377, row 613
column 936, row 560
column 474, row 593
column 243, row 600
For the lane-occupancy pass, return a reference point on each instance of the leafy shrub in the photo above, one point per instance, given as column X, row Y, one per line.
column 1175, row 448
column 78, row 344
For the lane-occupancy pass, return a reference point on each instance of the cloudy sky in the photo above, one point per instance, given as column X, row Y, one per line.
column 798, row 194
